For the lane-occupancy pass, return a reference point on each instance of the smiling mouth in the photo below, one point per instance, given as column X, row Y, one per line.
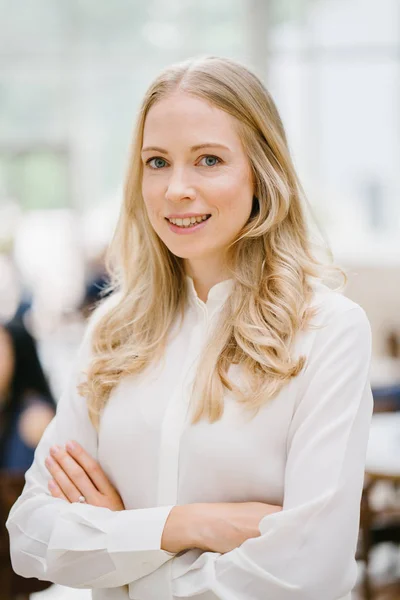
column 188, row 221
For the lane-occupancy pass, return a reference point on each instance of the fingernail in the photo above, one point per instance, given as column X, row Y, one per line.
column 52, row 485
column 54, row 449
column 70, row 445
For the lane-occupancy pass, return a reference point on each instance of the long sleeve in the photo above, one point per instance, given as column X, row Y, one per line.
column 306, row 551
column 74, row 544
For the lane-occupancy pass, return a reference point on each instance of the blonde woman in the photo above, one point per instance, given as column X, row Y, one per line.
column 213, row 437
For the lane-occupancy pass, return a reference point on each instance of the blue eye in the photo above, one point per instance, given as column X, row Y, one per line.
column 211, row 161
column 158, row 163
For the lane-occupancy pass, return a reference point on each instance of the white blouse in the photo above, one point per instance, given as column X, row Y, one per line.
column 305, row 450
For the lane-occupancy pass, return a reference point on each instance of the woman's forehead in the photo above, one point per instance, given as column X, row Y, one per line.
column 191, row 119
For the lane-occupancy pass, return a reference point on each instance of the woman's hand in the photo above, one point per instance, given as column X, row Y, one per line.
column 226, row 525
column 215, row 527
column 75, row 473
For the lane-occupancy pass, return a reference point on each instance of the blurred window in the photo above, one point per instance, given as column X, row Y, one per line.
column 334, row 71
column 35, row 178
column 72, row 75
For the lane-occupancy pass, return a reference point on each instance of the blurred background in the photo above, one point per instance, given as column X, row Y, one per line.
column 72, row 75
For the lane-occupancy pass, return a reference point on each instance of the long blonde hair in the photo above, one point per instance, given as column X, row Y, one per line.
column 270, row 260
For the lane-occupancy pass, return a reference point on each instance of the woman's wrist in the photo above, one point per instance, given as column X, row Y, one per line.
column 182, row 529
column 214, row 527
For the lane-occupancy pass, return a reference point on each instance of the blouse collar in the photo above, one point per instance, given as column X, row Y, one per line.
column 217, row 295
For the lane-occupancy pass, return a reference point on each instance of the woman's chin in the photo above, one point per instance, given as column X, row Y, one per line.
column 186, row 253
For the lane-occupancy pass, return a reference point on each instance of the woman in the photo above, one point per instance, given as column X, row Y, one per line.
column 215, row 447
column 26, row 403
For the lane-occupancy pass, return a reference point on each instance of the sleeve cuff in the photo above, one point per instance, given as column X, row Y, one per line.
column 156, row 585
column 139, row 529
column 132, row 538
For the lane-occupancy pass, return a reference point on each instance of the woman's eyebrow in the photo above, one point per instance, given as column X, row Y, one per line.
column 192, row 149
column 154, row 149
column 208, row 145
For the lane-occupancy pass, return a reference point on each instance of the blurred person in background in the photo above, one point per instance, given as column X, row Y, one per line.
column 97, row 285
column 26, row 402
column 212, row 438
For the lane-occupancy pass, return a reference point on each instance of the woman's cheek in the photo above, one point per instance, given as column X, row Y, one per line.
column 153, row 194
column 155, row 214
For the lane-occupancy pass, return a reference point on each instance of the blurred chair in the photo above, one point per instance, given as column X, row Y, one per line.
column 380, row 520
column 12, row 586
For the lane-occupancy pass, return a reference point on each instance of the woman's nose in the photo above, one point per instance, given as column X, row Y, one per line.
column 179, row 187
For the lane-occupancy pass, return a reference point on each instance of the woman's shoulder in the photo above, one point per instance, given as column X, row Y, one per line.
column 330, row 304
column 101, row 309
column 336, row 318
column 337, row 322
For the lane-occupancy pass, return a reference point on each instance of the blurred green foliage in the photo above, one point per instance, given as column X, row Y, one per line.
column 35, row 178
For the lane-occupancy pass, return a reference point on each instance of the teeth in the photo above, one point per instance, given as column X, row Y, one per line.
column 188, row 221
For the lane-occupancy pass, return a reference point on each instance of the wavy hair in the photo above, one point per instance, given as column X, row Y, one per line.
column 271, row 261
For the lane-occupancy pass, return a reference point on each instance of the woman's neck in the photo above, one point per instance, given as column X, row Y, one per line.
column 204, row 278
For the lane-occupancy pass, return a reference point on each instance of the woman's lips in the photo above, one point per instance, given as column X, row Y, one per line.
column 187, row 230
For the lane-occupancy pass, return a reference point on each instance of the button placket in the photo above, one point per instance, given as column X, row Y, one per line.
column 174, row 423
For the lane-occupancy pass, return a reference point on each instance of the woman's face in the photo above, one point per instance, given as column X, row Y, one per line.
column 6, row 362
column 194, row 165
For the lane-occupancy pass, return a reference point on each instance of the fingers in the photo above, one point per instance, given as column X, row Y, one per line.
column 70, row 477
column 90, row 466
column 56, row 491
column 63, row 482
